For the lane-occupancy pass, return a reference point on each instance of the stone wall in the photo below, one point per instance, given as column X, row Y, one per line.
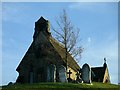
column 106, row 78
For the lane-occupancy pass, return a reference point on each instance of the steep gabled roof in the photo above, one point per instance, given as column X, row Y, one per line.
column 99, row 73
column 60, row 49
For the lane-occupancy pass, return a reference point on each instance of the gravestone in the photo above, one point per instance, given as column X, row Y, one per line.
column 31, row 75
column 51, row 73
column 78, row 78
column 86, row 73
column 62, row 74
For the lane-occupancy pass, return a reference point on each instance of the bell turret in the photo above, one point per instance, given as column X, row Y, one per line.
column 41, row 25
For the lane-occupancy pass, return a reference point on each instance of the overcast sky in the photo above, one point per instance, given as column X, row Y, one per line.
column 98, row 23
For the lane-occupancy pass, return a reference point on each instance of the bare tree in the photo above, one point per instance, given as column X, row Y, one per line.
column 68, row 35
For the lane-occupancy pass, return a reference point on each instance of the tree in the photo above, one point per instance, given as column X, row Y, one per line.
column 68, row 35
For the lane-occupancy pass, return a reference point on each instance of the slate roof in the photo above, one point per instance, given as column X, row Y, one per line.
column 99, row 73
column 58, row 47
column 61, row 51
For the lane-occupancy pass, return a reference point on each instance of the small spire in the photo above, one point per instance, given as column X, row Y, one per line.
column 105, row 65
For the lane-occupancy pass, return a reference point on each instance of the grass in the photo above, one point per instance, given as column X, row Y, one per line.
column 59, row 86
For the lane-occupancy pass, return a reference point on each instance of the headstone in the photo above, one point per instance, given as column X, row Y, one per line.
column 31, row 74
column 51, row 73
column 62, row 74
column 9, row 84
column 78, row 78
column 86, row 73
column 31, row 77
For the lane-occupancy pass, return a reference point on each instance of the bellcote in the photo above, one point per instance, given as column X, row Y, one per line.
column 41, row 25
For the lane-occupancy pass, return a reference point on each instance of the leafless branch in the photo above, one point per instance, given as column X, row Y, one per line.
column 68, row 36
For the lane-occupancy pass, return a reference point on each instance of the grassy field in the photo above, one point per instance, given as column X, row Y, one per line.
column 61, row 86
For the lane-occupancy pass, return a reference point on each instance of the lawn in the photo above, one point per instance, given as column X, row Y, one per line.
column 61, row 86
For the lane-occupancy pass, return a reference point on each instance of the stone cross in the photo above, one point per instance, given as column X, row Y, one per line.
column 69, row 73
column 104, row 60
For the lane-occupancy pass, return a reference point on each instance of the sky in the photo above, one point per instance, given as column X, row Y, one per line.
column 98, row 23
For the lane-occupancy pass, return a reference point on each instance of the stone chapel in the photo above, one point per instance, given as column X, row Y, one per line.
column 45, row 58
column 101, row 74
column 44, row 61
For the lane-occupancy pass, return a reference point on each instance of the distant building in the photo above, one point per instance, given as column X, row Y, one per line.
column 101, row 74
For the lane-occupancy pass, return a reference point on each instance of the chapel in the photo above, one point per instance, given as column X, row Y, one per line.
column 45, row 61
column 101, row 74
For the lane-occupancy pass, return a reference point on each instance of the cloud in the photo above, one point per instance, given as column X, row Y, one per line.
column 89, row 39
